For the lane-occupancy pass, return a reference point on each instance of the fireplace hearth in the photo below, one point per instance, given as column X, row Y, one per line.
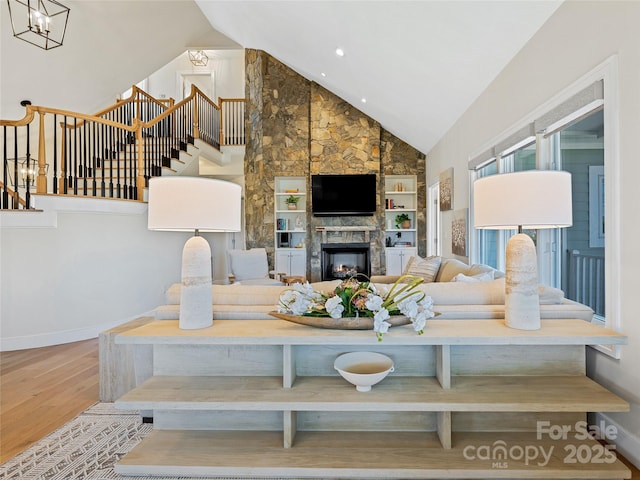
column 344, row 260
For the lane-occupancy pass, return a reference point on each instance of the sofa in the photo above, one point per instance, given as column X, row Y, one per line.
column 458, row 290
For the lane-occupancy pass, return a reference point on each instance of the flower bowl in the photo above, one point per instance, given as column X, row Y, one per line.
column 363, row 369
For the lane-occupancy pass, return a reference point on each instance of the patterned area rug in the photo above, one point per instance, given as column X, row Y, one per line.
column 86, row 448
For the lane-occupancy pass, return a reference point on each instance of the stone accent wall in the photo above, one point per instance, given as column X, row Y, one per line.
column 298, row 128
column 343, row 140
column 277, row 115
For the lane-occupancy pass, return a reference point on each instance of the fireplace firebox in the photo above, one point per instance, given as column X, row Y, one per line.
column 344, row 260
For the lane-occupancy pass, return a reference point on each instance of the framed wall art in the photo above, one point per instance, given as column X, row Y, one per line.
column 459, row 232
column 446, row 190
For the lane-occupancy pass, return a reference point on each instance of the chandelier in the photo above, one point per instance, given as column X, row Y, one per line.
column 198, row 58
column 42, row 23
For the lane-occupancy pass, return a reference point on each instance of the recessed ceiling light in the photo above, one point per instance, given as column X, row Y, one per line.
column 364, row 100
column 339, row 52
column 323, row 74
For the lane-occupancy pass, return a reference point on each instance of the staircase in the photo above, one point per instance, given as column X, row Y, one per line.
column 113, row 153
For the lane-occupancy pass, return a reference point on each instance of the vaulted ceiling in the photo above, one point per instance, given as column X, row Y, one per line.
column 418, row 64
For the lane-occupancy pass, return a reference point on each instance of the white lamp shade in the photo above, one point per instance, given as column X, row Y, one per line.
column 185, row 204
column 531, row 199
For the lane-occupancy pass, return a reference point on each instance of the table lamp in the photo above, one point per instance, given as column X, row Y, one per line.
column 532, row 199
column 185, row 204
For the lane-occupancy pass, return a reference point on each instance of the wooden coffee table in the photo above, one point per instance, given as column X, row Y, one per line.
column 291, row 279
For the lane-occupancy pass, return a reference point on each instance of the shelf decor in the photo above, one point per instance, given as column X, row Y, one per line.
column 292, row 202
column 403, row 221
column 355, row 299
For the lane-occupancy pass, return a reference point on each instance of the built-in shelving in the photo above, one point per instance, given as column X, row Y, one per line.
column 261, row 398
column 290, row 226
column 401, row 197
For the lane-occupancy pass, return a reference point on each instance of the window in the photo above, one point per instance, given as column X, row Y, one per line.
column 492, row 243
column 574, row 132
column 579, row 149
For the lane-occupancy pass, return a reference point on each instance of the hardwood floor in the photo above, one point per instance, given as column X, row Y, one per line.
column 42, row 389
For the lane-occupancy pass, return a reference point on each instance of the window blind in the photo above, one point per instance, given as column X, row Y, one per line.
column 572, row 109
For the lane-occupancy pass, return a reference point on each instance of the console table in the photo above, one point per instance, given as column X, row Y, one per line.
column 261, row 398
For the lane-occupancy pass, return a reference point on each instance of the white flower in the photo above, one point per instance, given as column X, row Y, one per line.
column 410, row 309
column 380, row 326
column 374, row 302
column 419, row 323
column 307, row 290
column 381, row 315
column 427, row 302
column 334, row 306
column 288, row 296
column 287, row 299
column 300, row 306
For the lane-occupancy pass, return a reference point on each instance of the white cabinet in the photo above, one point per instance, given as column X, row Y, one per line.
column 397, row 258
column 291, row 261
column 290, row 225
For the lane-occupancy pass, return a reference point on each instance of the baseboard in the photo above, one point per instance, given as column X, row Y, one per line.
column 627, row 444
column 8, row 344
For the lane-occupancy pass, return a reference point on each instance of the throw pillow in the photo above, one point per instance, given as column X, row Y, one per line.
column 426, row 268
column 477, row 268
column 249, row 264
column 450, row 268
column 479, row 277
column 550, row 295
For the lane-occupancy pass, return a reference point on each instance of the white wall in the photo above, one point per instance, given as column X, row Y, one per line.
column 579, row 37
column 85, row 272
column 99, row 59
column 227, row 67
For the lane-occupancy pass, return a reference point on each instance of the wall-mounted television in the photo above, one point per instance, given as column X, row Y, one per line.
column 340, row 195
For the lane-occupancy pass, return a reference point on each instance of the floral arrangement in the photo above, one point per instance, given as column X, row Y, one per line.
column 360, row 298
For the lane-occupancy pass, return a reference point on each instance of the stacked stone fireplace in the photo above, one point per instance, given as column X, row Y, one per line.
column 298, row 128
column 344, row 260
column 340, row 251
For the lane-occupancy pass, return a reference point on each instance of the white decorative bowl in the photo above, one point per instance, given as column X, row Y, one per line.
column 363, row 369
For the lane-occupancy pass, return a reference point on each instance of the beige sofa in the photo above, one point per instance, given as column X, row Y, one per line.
column 452, row 299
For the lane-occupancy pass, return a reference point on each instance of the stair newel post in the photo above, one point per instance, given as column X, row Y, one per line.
column 196, row 131
column 63, row 161
column 41, row 181
column 140, row 177
column 221, row 122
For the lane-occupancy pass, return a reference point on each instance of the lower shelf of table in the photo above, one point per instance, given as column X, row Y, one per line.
column 389, row 455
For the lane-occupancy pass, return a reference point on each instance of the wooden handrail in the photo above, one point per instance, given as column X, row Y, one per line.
column 136, row 92
column 79, row 154
column 28, row 118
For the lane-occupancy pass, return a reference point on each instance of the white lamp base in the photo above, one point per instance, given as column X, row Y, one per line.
column 196, row 310
column 521, row 302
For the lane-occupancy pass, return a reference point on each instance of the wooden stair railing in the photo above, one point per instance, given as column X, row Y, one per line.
column 113, row 153
column 138, row 105
column 14, row 197
column 232, row 124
